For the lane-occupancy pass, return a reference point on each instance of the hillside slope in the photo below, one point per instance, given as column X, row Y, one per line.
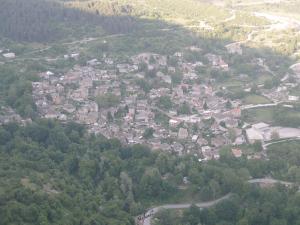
column 166, row 9
column 42, row 21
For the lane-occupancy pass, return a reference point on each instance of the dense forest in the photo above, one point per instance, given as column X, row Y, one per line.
column 16, row 90
column 54, row 173
column 43, row 20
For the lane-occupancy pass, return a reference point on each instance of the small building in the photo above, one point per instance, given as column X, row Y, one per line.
column 185, row 180
column 174, row 122
column 231, row 123
column 236, row 112
column 171, row 69
column 202, row 141
column 9, row 55
column 293, row 98
column 183, row 133
column 49, row 73
column 92, row 62
column 195, row 49
column 237, row 152
column 195, row 138
column 219, row 141
column 239, row 140
column 75, row 56
column 254, row 135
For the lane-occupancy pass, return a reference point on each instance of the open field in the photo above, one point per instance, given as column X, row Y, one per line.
column 276, row 116
column 256, row 99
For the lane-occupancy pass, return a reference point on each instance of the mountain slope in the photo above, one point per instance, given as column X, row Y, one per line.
column 42, row 21
column 184, row 9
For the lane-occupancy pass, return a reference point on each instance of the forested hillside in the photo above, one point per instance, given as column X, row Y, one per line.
column 43, row 20
column 58, row 174
column 184, row 9
column 274, row 206
column 16, row 90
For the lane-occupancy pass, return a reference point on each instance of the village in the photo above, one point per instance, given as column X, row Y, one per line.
column 132, row 114
column 183, row 114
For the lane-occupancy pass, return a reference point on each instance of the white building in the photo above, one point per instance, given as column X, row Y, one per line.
column 9, row 55
column 174, row 122
column 293, row 98
column 254, row 135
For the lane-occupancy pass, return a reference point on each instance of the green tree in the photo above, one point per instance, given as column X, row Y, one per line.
column 109, row 117
column 148, row 133
column 205, row 106
column 176, row 78
column 184, row 108
column 275, row 135
column 191, row 216
column 163, row 163
column 165, row 102
column 232, row 134
column 228, row 105
column 257, row 146
column 166, row 217
column 144, row 85
column 107, row 100
column 151, row 184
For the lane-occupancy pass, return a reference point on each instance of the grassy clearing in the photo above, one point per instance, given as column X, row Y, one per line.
column 277, row 116
column 262, row 78
column 283, row 144
column 259, row 115
column 255, row 99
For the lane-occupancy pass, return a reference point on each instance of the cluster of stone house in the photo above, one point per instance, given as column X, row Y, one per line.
column 217, row 62
column 73, row 96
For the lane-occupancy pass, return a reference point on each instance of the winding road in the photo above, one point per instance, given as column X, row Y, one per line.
column 265, row 145
column 269, row 181
column 254, row 106
column 151, row 212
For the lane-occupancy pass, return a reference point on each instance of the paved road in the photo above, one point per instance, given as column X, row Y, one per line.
column 265, row 145
column 149, row 214
column 252, row 106
column 269, row 181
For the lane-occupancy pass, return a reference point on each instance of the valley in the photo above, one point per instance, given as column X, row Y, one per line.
column 174, row 112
